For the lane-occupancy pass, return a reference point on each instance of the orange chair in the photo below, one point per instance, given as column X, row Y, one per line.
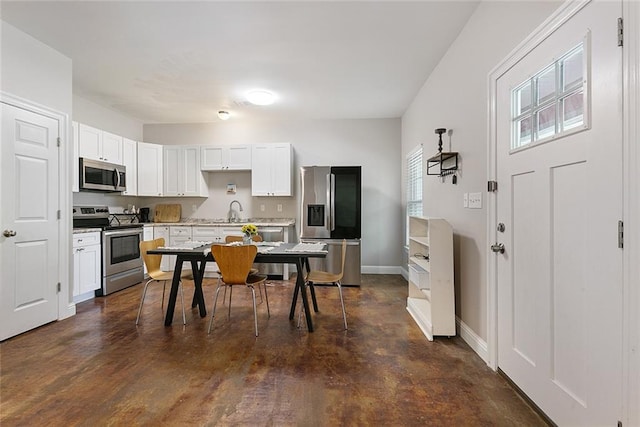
column 152, row 262
column 234, row 263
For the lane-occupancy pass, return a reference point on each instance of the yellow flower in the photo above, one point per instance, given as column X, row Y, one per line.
column 249, row 229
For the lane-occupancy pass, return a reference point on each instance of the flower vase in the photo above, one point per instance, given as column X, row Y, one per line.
column 246, row 240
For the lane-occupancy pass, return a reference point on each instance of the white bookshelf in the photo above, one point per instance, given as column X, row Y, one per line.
column 431, row 299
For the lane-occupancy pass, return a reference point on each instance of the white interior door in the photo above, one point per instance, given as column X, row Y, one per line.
column 29, row 239
column 560, row 200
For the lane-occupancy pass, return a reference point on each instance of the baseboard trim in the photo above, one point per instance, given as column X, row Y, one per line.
column 476, row 343
column 381, row 269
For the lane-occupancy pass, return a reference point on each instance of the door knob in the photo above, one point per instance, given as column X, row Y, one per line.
column 497, row 247
column 9, row 233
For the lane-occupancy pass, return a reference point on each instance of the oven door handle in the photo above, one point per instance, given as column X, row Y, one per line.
column 121, row 232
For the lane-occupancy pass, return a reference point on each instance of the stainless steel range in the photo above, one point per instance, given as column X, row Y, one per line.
column 121, row 260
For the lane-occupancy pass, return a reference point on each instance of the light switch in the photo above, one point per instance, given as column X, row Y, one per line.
column 475, row 200
column 465, row 200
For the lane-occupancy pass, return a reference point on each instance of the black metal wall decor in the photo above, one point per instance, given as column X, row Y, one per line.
column 444, row 162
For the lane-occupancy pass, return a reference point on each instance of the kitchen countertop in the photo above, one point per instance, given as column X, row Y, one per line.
column 259, row 222
column 85, row 230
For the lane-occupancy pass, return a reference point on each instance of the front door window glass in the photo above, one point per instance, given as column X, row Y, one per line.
column 552, row 102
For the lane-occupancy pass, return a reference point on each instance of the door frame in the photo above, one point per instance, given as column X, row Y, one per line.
column 631, row 192
column 66, row 306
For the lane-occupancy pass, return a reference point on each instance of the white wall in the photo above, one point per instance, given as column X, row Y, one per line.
column 374, row 144
column 455, row 97
column 33, row 71
column 92, row 114
column 37, row 74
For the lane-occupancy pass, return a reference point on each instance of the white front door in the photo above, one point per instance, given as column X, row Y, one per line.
column 29, row 237
column 559, row 280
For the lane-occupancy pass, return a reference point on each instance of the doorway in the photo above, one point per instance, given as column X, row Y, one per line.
column 556, row 148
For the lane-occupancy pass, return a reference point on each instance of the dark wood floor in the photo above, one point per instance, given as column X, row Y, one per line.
column 98, row 368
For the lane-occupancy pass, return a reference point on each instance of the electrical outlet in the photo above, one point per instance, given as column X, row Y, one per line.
column 262, row 207
column 465, row 200
column 279, row 207
column 194, row 208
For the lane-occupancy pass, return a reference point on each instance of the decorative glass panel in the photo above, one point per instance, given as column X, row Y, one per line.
column 573, row 111
column 552, row 102
column 523, row 99
column 572, row 70
column 546, row 122
column 523, row 136
column 546, row 85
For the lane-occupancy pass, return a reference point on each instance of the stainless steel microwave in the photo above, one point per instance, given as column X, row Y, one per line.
column 102, row 176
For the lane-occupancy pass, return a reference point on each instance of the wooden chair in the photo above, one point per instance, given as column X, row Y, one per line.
column 325, row 277
column 234, row 263
column 152, row 262
column 255, row 238
column 233, row 239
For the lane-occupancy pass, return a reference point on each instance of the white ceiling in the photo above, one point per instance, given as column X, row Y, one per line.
column 182, row 61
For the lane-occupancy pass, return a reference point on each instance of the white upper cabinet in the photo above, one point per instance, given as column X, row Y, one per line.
column 271, row 169
column 149, row 169
column 99, row 145
column 130, row 161
column 234, row 157
column 111, row 148
column 182, row 175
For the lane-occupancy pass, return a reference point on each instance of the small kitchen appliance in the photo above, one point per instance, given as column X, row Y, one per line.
column 102, row 176
column 144, row 214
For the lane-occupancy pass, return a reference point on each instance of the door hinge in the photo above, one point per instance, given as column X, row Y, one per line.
column 59, row 214
column 59, row 287
column 59, row 142
column 620, row 32
column 620, row 234
column 492, row 186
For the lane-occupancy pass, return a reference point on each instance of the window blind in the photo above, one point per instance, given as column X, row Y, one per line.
column 414, row 182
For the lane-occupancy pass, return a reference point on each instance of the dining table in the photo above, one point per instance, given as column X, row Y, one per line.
column 197, row 254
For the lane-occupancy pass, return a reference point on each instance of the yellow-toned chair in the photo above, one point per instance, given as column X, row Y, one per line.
column 234, row 263
column 254, row 238
column 325, row 277
column 152, row 262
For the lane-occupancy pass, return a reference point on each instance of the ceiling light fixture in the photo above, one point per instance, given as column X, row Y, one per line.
column 223, row 115
column 260, row 97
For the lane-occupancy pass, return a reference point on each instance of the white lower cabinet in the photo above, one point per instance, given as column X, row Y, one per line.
column 207, row 234
column 163, row 231
column 431, row 299
column 147, row 234
column 87, row 265
column 179, row 235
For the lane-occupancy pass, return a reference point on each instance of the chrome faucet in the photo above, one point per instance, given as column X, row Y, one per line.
column 233, row 215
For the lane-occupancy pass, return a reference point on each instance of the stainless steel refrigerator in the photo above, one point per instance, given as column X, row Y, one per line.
column 330, row 212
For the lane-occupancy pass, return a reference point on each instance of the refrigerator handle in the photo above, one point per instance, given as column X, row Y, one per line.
column 328, row 210
column 332, row 208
